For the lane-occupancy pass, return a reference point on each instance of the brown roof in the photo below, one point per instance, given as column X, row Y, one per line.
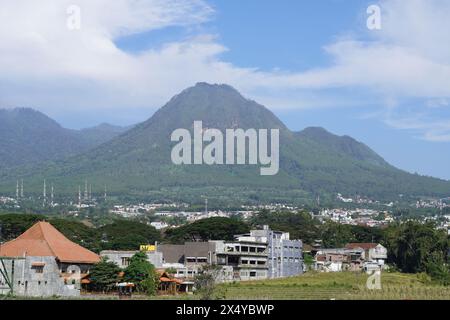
column 43, row 240
column 365, row 246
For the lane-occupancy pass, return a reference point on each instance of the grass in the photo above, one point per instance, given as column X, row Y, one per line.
column 317, row 286
column 338, row 286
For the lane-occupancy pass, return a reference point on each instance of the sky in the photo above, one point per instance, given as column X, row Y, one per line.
column 313, row 63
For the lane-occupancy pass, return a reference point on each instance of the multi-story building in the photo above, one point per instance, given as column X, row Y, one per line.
column 354, row 257
column 374, row 253
column 261, row 254
column 284, row 256
column 188, row 259
column 245, row 258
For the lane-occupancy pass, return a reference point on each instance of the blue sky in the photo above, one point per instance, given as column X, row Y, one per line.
column 313, row 63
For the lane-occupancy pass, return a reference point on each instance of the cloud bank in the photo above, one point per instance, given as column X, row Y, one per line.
column 46, row 65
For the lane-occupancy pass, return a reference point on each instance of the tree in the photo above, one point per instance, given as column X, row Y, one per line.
column 413, row 247
column 171, row 271
column 299, row 225
column 127, row 235
column 142, row 273
column 208, row 229
column 205, row 283
column 13, row 225
column 104, row 275
column 438, row 269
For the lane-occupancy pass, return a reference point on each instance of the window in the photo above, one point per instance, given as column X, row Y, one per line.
column 252, row 274
column 126, row 261
column 39, row 269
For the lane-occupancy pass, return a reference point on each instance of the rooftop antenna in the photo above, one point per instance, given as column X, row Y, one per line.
column 45, row 193
column 52, row 195
column 21, row 189
column 79, row 196
column 85, row 190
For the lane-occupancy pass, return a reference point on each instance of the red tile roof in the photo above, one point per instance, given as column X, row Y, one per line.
column 43, row 240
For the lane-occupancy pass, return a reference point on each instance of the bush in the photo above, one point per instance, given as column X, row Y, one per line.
column 205, row 283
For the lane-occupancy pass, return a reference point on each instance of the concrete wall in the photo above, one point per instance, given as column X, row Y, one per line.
column 285, row 257
column 28, row 281
column 120, row 257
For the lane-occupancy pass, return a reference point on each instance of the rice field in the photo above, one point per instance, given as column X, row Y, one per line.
column 338, row 286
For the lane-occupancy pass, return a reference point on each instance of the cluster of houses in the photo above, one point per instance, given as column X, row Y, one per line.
column 353, row 257
column 364, row 217
column 43, row 262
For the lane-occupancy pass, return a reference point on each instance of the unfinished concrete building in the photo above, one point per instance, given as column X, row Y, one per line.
column 42, row 262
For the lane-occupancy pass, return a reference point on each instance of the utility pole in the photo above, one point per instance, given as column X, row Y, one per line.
column 17, row 190
column 105, row 193
column 206, row 206
column 21, row 189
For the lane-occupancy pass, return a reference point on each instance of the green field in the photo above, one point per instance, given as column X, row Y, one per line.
column 313, row 286
column 339, row 286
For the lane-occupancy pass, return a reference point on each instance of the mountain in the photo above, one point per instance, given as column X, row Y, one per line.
column 29, row 137
column 313, row 162
column 345, row 145
column 100, row 134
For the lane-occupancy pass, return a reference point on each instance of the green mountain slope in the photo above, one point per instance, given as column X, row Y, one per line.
column 29, row 137
column 100, row 134
column 312, row 162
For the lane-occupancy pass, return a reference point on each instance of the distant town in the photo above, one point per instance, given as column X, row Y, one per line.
column 364, row 211
column 32, row 269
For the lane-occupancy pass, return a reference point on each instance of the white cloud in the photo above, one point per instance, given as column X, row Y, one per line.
column 42, row 63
